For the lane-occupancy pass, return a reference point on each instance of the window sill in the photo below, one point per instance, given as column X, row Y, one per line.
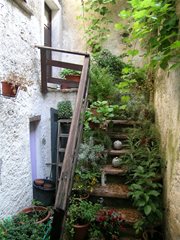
column 24, row 7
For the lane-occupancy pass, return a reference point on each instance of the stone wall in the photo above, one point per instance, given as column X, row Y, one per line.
column 167, row 104
column 20, row 32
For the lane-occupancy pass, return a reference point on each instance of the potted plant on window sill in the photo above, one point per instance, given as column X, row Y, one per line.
column 69, row 74
column 72, row 75
column 12, row 83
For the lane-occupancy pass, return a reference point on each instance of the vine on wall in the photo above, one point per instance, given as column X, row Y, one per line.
column 155, row 25
column 96, row 18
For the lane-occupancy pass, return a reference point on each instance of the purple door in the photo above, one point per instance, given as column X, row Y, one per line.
column 33, row 126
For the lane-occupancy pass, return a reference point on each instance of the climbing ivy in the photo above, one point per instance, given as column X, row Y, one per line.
column 154, row 24
column 96, row 18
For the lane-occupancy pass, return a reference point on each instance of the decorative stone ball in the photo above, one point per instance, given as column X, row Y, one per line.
column 117, row 144
column 116, row 162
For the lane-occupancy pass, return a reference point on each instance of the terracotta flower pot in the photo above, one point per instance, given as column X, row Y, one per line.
column 74, row 78
column 81, row 231
column 39, row 182
column 34, row 210
column 8, row 89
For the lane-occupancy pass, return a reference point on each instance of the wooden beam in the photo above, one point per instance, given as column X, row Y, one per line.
column 60, row 64
column 43, row 72
column 66, row 171
column 60, row 80
column 63, row 51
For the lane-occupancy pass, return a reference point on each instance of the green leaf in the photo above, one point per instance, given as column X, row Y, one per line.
column 119, row 26
column 125, row 14
column 140, row 203
column 147, row 210
column 175, row 45
column 154, row 193
column 133, row 52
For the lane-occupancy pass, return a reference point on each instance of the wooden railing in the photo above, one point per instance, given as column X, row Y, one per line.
column 47, row 63
column 74, row 139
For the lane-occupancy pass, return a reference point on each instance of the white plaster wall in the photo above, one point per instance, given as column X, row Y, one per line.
column 19, row 34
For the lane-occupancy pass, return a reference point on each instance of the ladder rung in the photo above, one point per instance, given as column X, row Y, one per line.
column 65, row 135
column 62, row 149
column 64, row 120
column 53, row 164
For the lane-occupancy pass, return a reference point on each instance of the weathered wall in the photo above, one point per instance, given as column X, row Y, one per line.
column 73, row 28
column 167, row 104
column 19, row 34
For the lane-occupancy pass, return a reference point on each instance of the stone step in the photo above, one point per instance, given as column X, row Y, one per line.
column 111, row 190
column 129, row 215
column 109, row 169
column 122, row 122
column 120, row 136
column 120, row 152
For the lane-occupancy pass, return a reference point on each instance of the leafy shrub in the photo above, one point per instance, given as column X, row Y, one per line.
column 64, row 109
column 113, row 64
column 21, row 227
column 102, row 86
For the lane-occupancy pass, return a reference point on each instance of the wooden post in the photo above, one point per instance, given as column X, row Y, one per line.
column 43, row 72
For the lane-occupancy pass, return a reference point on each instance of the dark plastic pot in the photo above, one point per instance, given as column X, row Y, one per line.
column 44, row 194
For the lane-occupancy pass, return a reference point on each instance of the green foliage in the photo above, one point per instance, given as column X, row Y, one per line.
column 91, row 156
column 102, row 85
column 99, row 136
column 144, row 166
column 155, row 25
column 65, row 72
column 114, row 64
column 98, row 113
column 21, row 227
column 111, row 222
column 80, row 212
column 64, row 109
column 96, row 17
column 85, row 180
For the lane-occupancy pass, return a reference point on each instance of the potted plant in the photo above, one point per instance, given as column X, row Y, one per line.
column 79, row 217
column 111, row 223
column 64, row 109
column 72, row 75
column 91, row 156
column 69, row 74
column 39, row 214
column 84, row 182
column 21, row 227
column 12, row 83
column 98, row 113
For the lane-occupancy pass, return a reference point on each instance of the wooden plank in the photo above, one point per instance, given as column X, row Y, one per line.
column 118, row 152
column 60, row 64
column 35, row 118
column 111, row 190
column 43, row 72
column 109, row 169
column 66, row 172
column 60, row 80
column 62, row 51
column 122, row 122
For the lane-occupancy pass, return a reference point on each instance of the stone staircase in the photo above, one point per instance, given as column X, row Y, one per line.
column 113, row 190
